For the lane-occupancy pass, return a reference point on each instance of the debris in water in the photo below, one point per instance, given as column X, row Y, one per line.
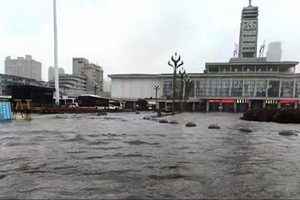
column 190, row 124
column 214, row 126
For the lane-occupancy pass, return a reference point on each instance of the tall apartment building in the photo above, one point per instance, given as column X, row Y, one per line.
column 71, row 86
column 51, row 73
column 93, row 74
column 24, row 67
column 78, row 65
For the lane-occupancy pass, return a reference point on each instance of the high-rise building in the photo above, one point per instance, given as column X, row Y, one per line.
column 93, row 74
column 70, row 86
column 24, row 67
column 274, row 52
column 78, row 65
column 51, row 73
column 249, row 32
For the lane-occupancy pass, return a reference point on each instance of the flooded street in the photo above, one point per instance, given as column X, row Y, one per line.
column 124, row 156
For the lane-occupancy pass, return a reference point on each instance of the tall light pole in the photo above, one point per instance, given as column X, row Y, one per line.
column 175, row 63
column 55, row 55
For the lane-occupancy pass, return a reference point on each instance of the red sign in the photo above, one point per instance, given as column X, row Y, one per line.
column 224, row 101
column 288, row 101
column 228, row 101
column 215, row 101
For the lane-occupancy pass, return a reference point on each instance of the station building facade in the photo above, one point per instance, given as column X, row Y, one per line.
column 246, row 81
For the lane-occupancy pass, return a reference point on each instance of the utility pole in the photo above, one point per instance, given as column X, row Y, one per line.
column 55, row 55
column 175, row 63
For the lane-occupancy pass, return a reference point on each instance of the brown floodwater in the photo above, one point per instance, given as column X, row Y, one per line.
column 123, row 156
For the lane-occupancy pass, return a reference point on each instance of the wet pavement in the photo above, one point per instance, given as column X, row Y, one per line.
column 124, row 156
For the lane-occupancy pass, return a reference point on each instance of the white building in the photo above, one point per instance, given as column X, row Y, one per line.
column 24, row 67
column 135, row 86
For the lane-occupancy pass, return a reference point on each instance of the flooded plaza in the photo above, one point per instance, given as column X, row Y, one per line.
column 123, row 156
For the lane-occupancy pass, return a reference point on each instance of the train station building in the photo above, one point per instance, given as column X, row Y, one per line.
column 248, row 80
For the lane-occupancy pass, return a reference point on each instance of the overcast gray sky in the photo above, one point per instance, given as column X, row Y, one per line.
column 138, row 36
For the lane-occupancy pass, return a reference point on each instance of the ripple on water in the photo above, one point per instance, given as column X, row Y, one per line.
column 167, row 177
column 157, row 135
column 76, row 152
column 77, row 138
column 10, row 138
column 98, row 142
column 111, row 173
column 140, row 142
column 107, row 148
column 136, row 155
column 13, row 144
column 115, row 118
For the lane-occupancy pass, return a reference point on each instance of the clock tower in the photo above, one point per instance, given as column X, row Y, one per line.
column 249, row 32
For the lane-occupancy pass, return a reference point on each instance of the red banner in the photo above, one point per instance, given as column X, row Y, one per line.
column 224, row 101
column 288, row 101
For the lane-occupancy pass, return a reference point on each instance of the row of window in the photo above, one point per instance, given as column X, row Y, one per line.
column 238, row 88
column 247, row 69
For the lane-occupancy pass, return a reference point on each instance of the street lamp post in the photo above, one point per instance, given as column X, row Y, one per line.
column 175, row 63
column 55, row 54
column 156, row 88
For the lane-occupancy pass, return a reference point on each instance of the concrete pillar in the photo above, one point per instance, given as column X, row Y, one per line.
column 249, row 105
column 296, row 106
column 235, row 107
column 255, row 88
column 278, row 105
column 207, row 106
column 294, row 89
column 264, row 104
column 280, row 86
column 166, row 106
column 134, row 106
column 243, row 89
column 194, row 106
column 230, row 87
column 195, row 88
column 267, row 90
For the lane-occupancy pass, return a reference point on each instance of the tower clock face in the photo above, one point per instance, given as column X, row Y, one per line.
column 251, row 25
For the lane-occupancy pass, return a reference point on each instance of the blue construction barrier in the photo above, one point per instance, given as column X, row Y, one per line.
column 5, row 111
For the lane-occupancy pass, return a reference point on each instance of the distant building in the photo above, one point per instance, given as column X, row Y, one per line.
column 24, row 67
column 71, row 86
column 79, row 65
column 24, row 88
column 51, row 73
column 274, row 53
column 92, row 72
